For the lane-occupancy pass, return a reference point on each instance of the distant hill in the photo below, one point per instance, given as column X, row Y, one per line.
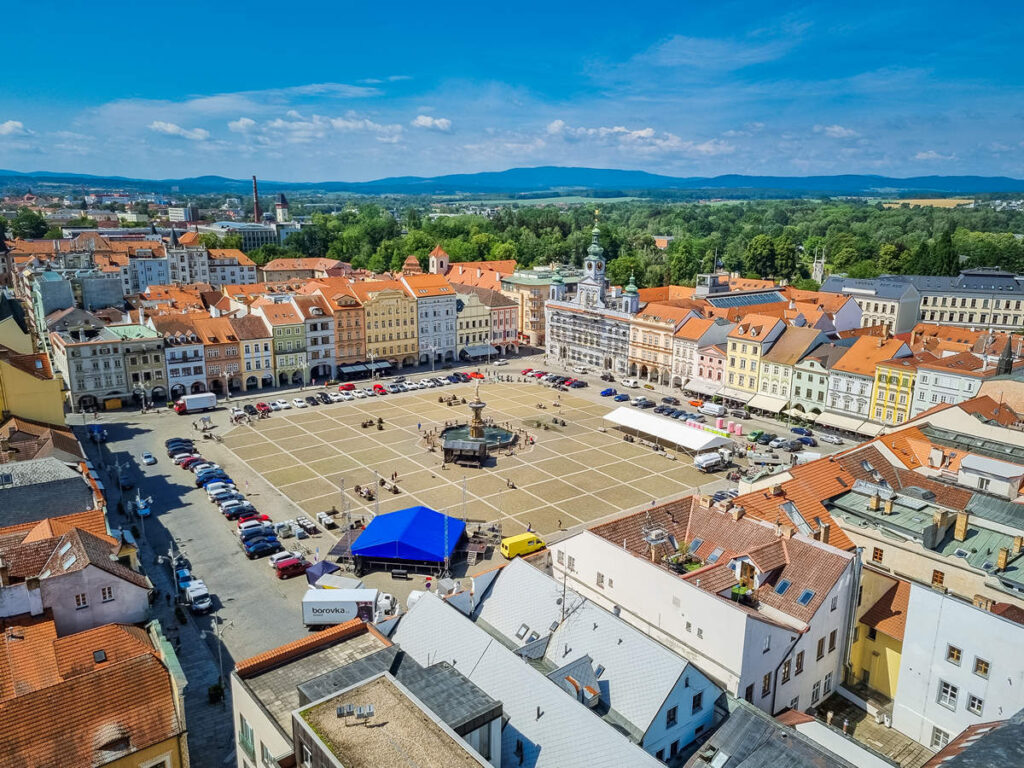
column 557, row 179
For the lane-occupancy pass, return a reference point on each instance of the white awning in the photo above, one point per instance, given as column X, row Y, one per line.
column 480, row 350
column 839, row 422
column 736, row 394
column 666, row 430
column 702, row 387
column 799, row 414
column 767, row 403
column 870, row 429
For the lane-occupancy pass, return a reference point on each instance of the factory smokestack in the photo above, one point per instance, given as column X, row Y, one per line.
column 257, row 214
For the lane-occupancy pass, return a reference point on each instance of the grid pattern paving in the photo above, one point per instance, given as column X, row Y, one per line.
column 572, row 475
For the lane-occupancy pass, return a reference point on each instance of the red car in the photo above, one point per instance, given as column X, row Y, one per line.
column 263, row 408
column 188, row 463
column 379, row 389
column 538, row 374
column 346, row 387
column 476, row 375
column 290, row 566
column 526, row 371
column 247, row 516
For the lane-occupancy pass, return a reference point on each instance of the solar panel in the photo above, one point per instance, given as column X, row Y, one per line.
column 745, row 299
column 805, row 597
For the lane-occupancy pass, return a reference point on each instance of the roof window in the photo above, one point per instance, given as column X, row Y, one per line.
column 805, row 597
column 782, row 586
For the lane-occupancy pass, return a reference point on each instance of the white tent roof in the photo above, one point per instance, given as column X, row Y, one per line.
column 667, row 430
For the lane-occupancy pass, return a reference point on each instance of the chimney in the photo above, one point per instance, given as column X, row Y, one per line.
column 985, row 603
column 257, row 214
column 1003, row 559
column 777, row 490
column 874, row 502
column 960, row 531
column 787, row 532
column 887, row 509
column 737, row 512
column 1018, row 544
column 826, row 531
column 913, row 337
column 5, row 574
column 705, row 500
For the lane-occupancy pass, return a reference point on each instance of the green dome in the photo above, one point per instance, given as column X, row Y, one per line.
column 631, row 288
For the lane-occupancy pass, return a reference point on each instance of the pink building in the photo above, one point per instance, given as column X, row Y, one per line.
column 709, row 372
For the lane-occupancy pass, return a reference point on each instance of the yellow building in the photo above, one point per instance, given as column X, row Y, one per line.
column 878, row 638
column 892, row 395
column 390, row 322
column 748, row 342
column 28, row 387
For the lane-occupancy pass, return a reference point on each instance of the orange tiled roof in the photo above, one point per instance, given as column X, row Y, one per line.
column 364, row 290
column 664, row 313
column 866, row 353
column 231, row 253
column 37, row 365
column 988, row 409
column 753, row 327
column 189, row 238
column 120, row 642
column 749, row 284
column 889, row 614
column 300, row 264
column 423, row 285
column 664, row 293
column 278, row 313
column 694, row 328
column 254, row 665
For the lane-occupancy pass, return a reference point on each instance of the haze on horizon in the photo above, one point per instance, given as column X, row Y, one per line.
column 312, row 91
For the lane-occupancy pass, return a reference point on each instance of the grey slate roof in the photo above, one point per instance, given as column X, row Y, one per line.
column 442, row 688
column 891, row 289
column 986, row 745
column 551, row 729
column 638, row 673
column 749, row 738
column 41, row 488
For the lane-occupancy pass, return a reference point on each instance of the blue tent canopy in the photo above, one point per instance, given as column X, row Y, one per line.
column 416, row 533
column 318, row 569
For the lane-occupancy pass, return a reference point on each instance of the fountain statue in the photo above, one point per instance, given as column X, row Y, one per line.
column 473, row 442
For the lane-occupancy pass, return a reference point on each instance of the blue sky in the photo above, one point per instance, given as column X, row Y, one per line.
column 352, row 91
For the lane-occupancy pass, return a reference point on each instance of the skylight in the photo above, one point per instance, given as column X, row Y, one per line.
column 695, row 545
column 805, row 597
column 713, row 557
column 523, row 629
column 782, row 586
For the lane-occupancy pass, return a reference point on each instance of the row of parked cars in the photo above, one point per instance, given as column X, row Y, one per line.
column 804, row 439
column 556, row 380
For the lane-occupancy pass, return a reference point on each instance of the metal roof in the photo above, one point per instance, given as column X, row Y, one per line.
column 729, row 300
column 991, row 448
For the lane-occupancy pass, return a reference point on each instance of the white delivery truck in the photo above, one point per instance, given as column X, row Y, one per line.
column 324, row 607
column 712, row 409
column 198, row 597
column 204, row 401
column 713, row 460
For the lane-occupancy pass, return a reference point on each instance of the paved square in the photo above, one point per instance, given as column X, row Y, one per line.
column 572, row 475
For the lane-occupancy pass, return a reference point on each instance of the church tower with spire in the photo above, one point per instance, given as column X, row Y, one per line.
column 590, row 292
column 631, row 297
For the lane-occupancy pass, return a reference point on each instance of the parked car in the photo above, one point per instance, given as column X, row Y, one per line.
column 298, row 402
column 753, row 435
column 324, row 398
column 670, row 400
column 236, row 412
column 778, row 442
column 347, row 387
column 246, row 517
column 285, row 569
column 501, row 362
column 214, row 487
column 766, row 438
column 218, row 478
column 202, row 467
column 476, row 375
column 578, row 384
column 832, row 439
column 609, row 392
column 359, row 394
column 631, row 383
column 226, row 494
column 234, row 512
column 623, row 398
column 261, row 547
column 250, row 409
column 810, row 442
column 170, row 440
column 378, row 389
column 335, row 397
column 607, row 377
column 283, row 555
column 793, row 446
column 284, row 405
column 462, row 377
column 526, row 371
column 803, row 431
column 312, row 400
column 189, row 460
column 739, row 413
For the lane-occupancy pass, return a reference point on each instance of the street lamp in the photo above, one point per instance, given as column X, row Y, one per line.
column 373, row 359
column 433, row 353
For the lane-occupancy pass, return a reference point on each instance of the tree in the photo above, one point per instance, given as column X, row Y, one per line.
column 759, row 257
column 233, row 240
column 785, row 257
column 28, row 224
column 890, row 258
column 865, row 269
column 269, row 252
column 944, row 255
column 81, row 221
column 210, row 240
column 619, row 270
column 806, row 284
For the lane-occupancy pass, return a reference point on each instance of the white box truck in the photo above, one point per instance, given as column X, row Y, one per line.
column 324, row 607
column 713, row 460
column 204, row 401
column 198, row 597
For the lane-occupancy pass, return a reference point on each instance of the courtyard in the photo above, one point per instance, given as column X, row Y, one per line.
column 570, row 476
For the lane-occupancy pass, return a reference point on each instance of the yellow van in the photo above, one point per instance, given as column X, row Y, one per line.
column 523, row 544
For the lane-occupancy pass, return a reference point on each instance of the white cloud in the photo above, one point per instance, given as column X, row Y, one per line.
column 442, row 124
column 836, row 131
column 298, row 129
column 639, row 140
column 931, row 154
column 173, row 129
column 241, row 125
column 13, row 128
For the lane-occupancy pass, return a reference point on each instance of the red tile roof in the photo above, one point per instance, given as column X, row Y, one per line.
column 297, row 648
column 889, row 614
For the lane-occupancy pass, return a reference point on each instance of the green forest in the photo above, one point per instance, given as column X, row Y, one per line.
column 758, row 239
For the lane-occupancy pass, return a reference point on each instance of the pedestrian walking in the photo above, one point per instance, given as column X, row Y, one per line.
column 418, row 426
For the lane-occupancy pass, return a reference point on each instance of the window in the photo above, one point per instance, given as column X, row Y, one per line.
column 876, row 555
column 572, row 563
column 872, row 633
column 268, row 759
column 821, row 648
column 107, row 594
column 600, row 580
column 782, row 586
column 805, row 597
column 828, row 683
column 689, row 627
column 785, row 671
column 981, row 667
column 700, row 633
column 766, row 684
column 939, row 738
column 815, row 693
column 767, row 644
column 81, row 600
column 832, row 641
column 948, row 694
column 983, row 483
column 245, row 740
column 560, row 557
column 799, row 663
column 835, row 603
column 671, row 717
column 953, row 654
column 307, row 757
column 938, row 578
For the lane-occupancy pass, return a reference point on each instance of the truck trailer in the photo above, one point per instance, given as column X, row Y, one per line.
column 204, row 401
column 326, row 607
column 713, row 460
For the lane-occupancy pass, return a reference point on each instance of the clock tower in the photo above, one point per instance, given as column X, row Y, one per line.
column 591, row 288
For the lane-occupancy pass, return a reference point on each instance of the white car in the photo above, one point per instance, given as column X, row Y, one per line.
column 394, row 388
column 298, row 402
column 359, row 393
column 214, row 488
column 580, row 369
column 631, row 383
column 283, row 405
column 335, row 397
column 505, row 362
column 833, row 439
column 277, row 557
column 236, row 412
column 346, row 397
column 369, row 392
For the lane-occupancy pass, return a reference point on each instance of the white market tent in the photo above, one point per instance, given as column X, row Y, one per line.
column 668, row 431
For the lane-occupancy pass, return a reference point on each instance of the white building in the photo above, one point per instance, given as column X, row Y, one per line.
column 318, row 320
column 889, row 301
column 437, row 313
column 852, row 379
column 956, row 378
column 184, row 355
column 960, row 666
column 695, row 333
column 763, row 611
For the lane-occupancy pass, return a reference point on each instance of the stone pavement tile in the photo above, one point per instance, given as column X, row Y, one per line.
column 624, row 450
column 403, row 466
column 590, row 481
column 406, row 419
column 320, row 504
column 448, row 497
column 510, row 526
column 315, row 453
column 375, row 458
column 625, row 471
column 553, row 491
column 307, row 489
column 336, row 434
column 687, row 474
column 281, row 432
column 248, row 452
column 333, row 465
column 587, row 508
column 351, row 444
column 298, row 443
column 266, row 464
column 420, row 480
column 654, row 462
column 304, row 417
column 281, row 477
column 485, row 485
column 537, row 452
column 594, row 457
column 659, row 487
column 544, row 520
column 624, row 497
column 241, row 441
column 392, row 435
column 526, row 475
column 560, row 466
column 326, row 424
column 513, row 502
